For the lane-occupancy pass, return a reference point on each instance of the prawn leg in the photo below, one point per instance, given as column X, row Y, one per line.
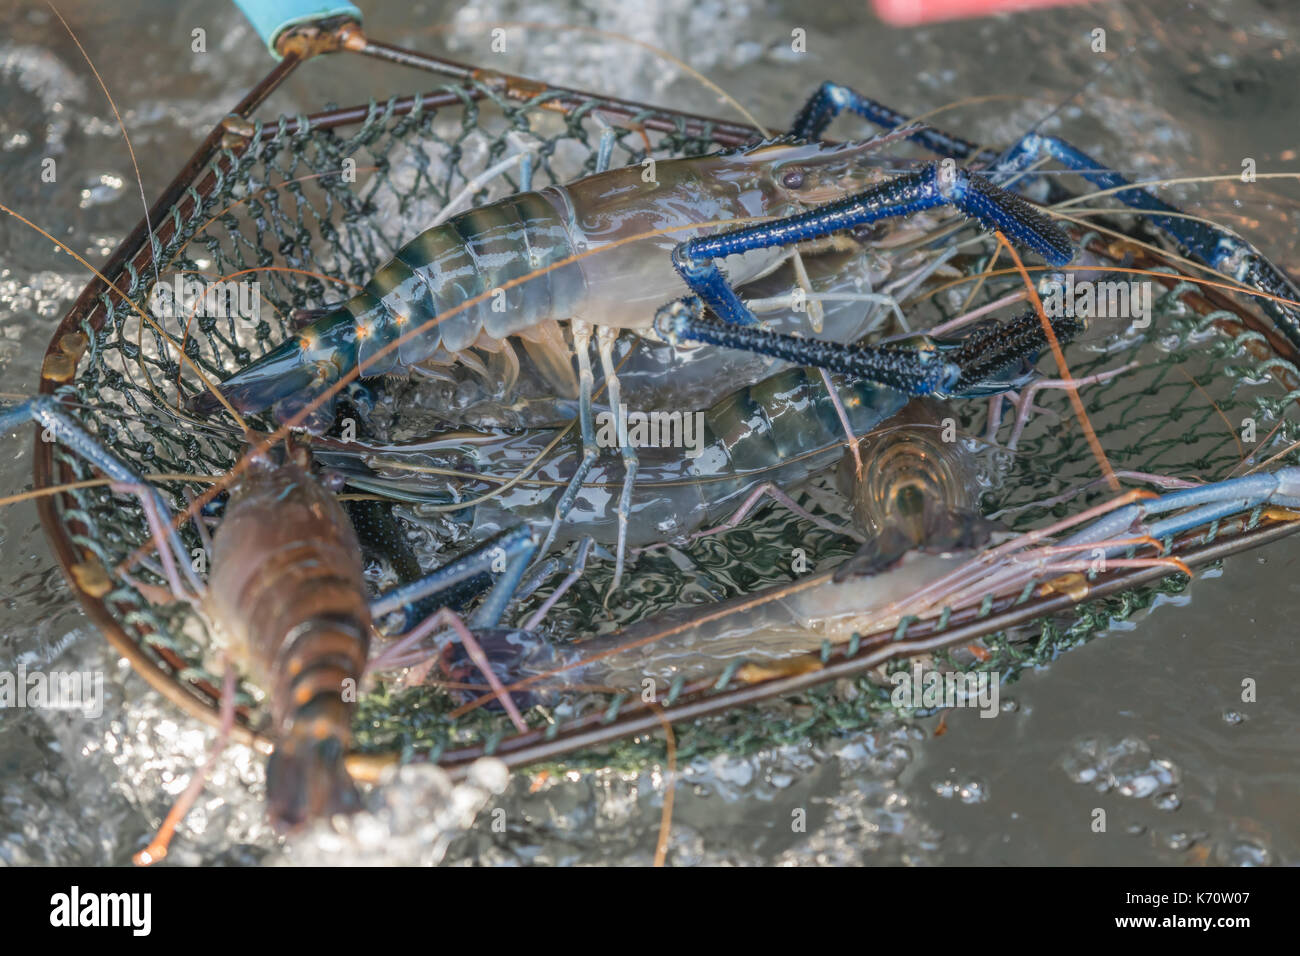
column 974, row 366
column 157, row 847
column 495, row 555
column 908, row 371
column 831, row 99
column 590, row 450
column 512, row 554
column 576, row 567
column 605, row 338
column 1209, row 244
column 508, row 554
column 769, row 490
column 582, row 333
column 1206, row 503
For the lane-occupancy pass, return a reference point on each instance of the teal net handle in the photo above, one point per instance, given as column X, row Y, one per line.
column 270, row 18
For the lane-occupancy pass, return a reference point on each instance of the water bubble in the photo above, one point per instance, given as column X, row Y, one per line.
column 1167, row 801
column 101, row 189
column 1126, row 766
column 409, row 819
column 972, row 791
column 1245, row 853
column 781, row 780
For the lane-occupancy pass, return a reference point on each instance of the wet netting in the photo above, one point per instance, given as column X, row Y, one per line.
column 310, row 206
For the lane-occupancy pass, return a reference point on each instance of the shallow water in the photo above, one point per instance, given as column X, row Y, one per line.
column 1147, row 723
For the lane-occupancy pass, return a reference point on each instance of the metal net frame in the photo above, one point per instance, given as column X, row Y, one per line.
column 277, row 200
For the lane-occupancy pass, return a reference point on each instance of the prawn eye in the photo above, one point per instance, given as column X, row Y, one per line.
column 792, row 178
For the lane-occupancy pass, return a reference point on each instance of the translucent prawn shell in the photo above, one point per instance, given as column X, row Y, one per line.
column 672, row 201
column 495, row 269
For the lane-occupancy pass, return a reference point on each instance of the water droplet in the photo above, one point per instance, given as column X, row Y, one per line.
column 1248, row 854
column 971, row 792
column 1126, row 766
column 1167, row 801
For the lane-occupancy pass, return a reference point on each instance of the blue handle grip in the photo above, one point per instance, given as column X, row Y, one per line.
column 270, row 18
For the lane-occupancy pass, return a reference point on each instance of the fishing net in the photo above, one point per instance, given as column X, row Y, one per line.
column 334, row 194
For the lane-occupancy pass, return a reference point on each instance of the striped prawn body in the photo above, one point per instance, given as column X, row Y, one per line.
column 473, row 258
column 598, row 249
column 287, row 591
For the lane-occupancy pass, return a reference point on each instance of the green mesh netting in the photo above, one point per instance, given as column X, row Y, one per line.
column 289, row 206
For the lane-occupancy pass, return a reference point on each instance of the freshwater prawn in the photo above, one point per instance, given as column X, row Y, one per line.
column 634, row 225
column 916, row 510
column 655, row 375
column 757, row 441
column 929, row 553
column 287, row 602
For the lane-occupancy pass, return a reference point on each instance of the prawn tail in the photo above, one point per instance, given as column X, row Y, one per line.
column 317, row 672
column 306, row 779
column 296, row 379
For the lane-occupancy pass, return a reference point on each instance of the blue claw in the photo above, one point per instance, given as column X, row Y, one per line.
column 1211, row 245
column 48, row 413
column 831, row 99
column 917, row 373
column 697, row 259
column 912, row 371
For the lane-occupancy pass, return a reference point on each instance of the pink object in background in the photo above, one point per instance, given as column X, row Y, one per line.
column 906, row 13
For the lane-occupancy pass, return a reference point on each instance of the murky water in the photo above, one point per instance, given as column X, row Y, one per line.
column 1147, row 724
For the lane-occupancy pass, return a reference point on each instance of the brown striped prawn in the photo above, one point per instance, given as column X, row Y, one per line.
column 460, row 284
